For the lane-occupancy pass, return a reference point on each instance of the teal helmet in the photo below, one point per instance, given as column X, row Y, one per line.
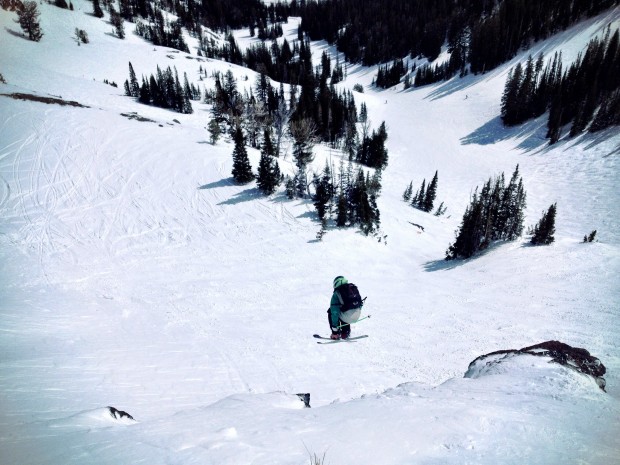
column 339, row 281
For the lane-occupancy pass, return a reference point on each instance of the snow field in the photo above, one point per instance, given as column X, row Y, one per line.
column 136, row 274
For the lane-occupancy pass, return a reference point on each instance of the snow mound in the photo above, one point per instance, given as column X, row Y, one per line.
column 97, row 418
column 257, row 402
column 575, row 361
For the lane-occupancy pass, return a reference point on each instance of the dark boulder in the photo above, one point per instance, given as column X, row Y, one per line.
column 568, row 356
column 118, row 414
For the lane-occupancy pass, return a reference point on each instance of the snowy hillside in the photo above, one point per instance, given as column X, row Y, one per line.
column 135, row 274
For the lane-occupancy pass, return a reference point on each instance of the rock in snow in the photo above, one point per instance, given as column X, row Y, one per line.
column 564, row 354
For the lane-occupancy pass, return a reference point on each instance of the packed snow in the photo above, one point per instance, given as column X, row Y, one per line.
column 136, row 275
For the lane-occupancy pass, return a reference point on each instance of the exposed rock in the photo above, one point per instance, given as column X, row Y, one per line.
column 571, row 357
column 118, row 414
column 49, row 100
column 11, row 5
column 305, row 398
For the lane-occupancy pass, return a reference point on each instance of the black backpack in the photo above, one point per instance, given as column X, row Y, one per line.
column 349, row 296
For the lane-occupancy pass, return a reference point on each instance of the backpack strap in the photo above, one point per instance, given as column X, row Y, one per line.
column 339, row 297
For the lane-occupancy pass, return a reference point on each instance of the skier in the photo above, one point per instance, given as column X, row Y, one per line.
column 344, row 308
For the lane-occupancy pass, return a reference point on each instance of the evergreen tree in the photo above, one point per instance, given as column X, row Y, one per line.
column 324, row 191
column 441, row 209
column 545, row 229
column 300, row 182
column 268, row 169
column 510, row 215
column 341, row 217
column 97, row 11
column 304, row 139
column 495, row 213
column 134, row 87
column 117, row 21
column 431, row 193
column 510, row 96
column 469, row 235
column 145, row 92
column 289, row 188
column 363, row 117
column 584, row 96
column 420, row 196
column 214, row 131
column 242, row 171
column 408, row 192
column 28, row 19
column 372, row 151
column 185, row 97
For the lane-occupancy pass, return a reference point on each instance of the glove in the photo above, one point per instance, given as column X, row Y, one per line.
column 335, row 334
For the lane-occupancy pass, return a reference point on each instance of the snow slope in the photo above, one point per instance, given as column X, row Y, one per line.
column 135, row 274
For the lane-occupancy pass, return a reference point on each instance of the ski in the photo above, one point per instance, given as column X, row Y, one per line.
column 327, row 340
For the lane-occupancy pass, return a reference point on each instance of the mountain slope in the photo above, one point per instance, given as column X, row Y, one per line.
column 136, row 274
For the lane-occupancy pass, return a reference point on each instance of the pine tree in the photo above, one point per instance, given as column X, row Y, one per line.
column 440, row 210
column 415, row 199
column 187, row 96
column 289, row 188
column 324, row 191
column 145, row 92
column 117, row 21
column 242, row 171
column 419, row 200
column 431, row 193
column 408, row 192
column 134, row 87
column 470, row 233
column 97, row 11
column 304, row 135
column 28, row 19
column 268, row 169
column 510, row 102
column 495, row 213
column 214, row 131
column 341, row 217
column 545, row 229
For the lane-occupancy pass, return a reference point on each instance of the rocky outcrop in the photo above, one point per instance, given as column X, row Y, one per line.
column 119, row 414
column 305, row 398
column 564, row 354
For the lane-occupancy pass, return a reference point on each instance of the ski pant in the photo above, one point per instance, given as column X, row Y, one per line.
column 345, row 329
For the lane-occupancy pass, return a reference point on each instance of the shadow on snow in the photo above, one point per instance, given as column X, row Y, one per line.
column 531, row 132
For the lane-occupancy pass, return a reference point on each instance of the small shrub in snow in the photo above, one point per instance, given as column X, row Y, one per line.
column 590, row 237
column 81, row 37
